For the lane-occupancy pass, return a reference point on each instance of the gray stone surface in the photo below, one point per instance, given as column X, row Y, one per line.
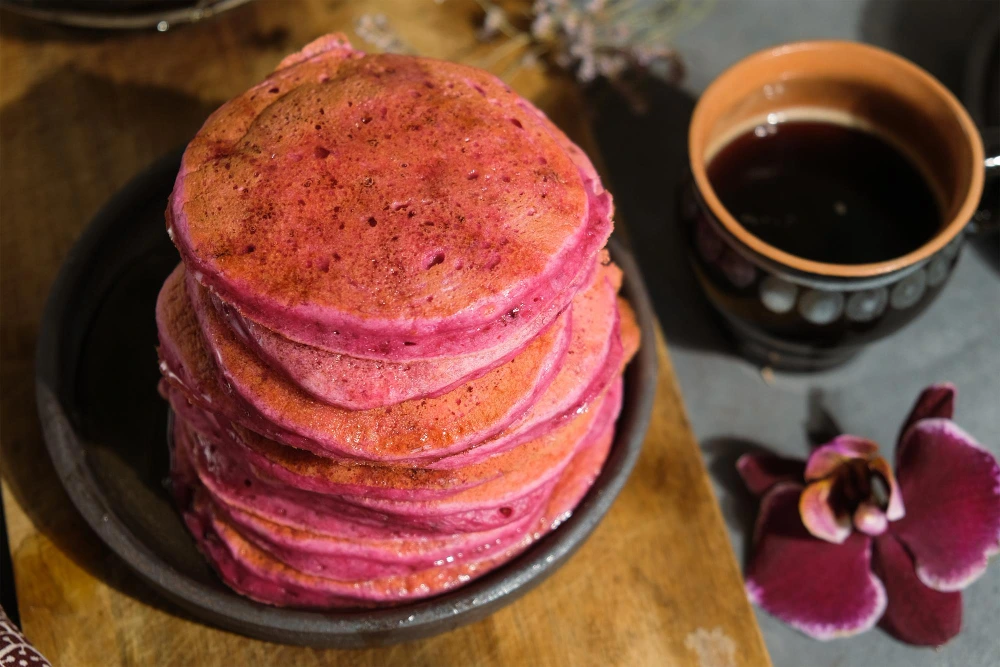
column 730, row 404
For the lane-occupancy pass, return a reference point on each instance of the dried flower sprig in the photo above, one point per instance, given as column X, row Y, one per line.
column 375, row 29
column 598, row 38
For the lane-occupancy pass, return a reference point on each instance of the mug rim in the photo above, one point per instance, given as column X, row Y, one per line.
column 945, row 235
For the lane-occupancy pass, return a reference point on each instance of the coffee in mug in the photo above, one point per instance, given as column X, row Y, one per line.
column 831, row 186
column 826, row 187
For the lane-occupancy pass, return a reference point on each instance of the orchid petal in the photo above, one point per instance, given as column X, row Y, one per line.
column 824, row 460
column 870, row 519
column 818, row 515
column 938, row 400
column 762, row 471
column 952, row 490
column 825, row 590
column 916, row 614
column 895, row 510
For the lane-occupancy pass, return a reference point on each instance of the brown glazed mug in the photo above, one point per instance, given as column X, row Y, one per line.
column 797, row 314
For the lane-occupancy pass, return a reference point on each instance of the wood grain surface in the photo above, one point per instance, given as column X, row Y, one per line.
column 80, row 113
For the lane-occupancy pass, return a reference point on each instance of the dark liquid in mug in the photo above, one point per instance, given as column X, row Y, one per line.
column 825, row 192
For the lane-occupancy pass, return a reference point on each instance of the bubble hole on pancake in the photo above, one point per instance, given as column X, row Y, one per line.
column 509, row 209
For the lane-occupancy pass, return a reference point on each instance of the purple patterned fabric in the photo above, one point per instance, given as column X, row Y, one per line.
column 15, row 651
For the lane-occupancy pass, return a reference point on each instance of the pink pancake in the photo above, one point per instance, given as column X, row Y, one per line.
column 253, row 572
column 269, row 488
column 227, row 548
column 356, row 383
column 502, row 500
column 406, row 433
column 326, row 557
column 502, row 493
column 235, row 447
column 593, row 361
column 629, row 330
column 226, row 479
column 576, row 480
column 344, row 477
column 353, row 550
column 386, row 206
column 338, row 559
column 312, row 473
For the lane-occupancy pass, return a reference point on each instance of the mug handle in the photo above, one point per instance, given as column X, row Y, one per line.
column 986, row 219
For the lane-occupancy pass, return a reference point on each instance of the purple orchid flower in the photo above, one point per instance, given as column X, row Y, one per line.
column 840, row 544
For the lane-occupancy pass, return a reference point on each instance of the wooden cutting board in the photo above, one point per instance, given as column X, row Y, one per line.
column 80, row 113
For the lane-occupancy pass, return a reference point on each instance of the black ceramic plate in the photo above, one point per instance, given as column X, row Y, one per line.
column 105, row 423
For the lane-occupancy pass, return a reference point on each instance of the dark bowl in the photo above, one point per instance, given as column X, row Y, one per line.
column 120, row 14
column 104, row 425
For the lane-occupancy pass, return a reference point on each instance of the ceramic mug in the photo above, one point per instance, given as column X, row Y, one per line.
column 794, row 313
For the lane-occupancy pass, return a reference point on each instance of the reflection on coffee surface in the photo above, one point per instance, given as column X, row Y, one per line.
column 825, row 191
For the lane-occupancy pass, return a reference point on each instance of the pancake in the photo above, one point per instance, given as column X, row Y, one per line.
column 232, row 553
column 252, row 571
column 267, row 459
column 594, row 359
column 482, row 506
column 326, row 557
column 386, row 206
column 576, row 480
column 511, row 484
column 406, row 433
column 352, row 550
column 237, row 448
column 351, row 559
column 505, row 497
column 356, row 383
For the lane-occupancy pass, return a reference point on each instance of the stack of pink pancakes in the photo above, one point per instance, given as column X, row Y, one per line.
column 394, row 347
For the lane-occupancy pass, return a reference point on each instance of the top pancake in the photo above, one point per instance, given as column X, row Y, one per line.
column 385, row 206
